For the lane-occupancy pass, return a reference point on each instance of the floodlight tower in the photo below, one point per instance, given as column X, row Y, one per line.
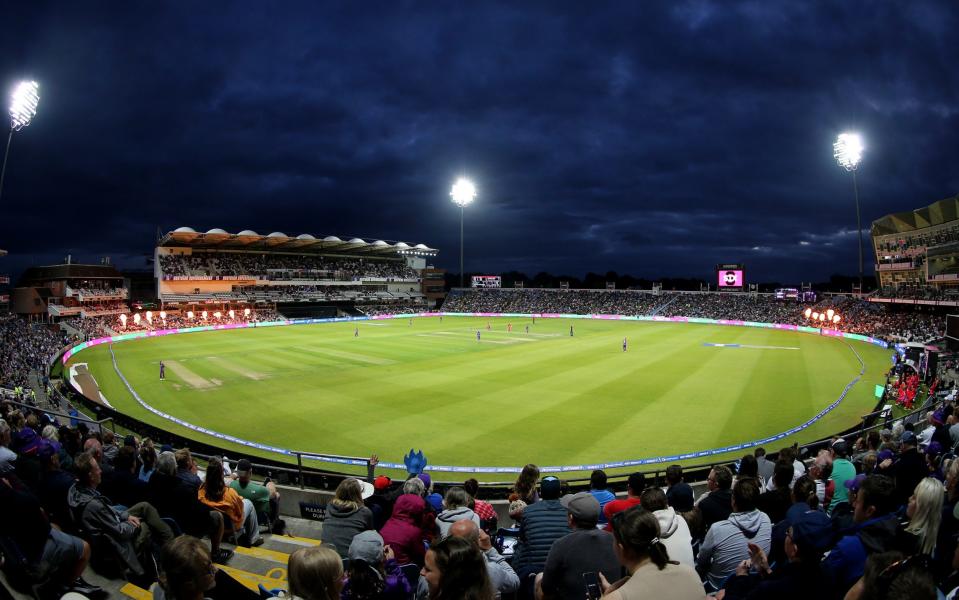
column 848, row 153
column 23, row 107
column 463, row 193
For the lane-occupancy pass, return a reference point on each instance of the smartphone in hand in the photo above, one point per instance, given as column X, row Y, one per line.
column 593, row 589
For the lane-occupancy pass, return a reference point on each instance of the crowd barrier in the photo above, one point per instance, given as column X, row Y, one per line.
column 486, row 469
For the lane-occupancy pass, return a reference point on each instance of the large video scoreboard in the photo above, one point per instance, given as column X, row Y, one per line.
column 730, row 276
column 487, row 281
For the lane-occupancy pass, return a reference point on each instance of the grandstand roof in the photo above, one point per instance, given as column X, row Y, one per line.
column 34, row 275
column 279, row 241
column 936, row 213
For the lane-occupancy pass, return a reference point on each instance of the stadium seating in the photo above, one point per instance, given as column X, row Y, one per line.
column 899, row 480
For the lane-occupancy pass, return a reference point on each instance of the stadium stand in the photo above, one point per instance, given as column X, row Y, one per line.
column 892, row 527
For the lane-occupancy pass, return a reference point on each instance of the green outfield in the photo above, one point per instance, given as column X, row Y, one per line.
column 504, row 400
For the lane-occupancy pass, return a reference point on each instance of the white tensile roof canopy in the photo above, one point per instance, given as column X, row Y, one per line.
column 277, row 241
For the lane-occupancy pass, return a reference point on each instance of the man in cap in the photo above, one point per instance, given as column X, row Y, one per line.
column 800, row 577
column 503, row 577
column 586, row 549
column 908, row 470
column 543, row 523
column 265, row 498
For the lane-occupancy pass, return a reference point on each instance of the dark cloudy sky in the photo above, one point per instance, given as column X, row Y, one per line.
column 654, row 138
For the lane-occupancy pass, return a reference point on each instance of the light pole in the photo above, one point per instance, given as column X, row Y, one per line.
column 23, row 107
column 848, row 153
column 463, row 193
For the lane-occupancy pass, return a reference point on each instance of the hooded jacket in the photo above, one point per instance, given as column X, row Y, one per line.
column 403, row 531
column 674, row 534
column 726, row 544
column 342, row 524
column 846, row 563
column 93, row 512
column 445, row 519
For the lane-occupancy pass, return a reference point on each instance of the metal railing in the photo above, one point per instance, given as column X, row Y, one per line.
column 77, row 417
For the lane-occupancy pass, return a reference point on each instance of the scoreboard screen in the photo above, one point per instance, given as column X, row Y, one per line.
column 730, row 276
column 487, row 281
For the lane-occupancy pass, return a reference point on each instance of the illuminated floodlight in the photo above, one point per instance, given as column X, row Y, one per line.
column 463, row 192
column 163, row 315
column 231, row 313
column 189, row 314
column 123, row 320
column 830, row 313
column 815, row 316
column 808, row 313
column 822, row 317
column 204, row 314
column 836, row 319
column 136, row 318
column 150, row 316
column 848, row 150
column 217, row 315
column 23, row 104
column 246, row 312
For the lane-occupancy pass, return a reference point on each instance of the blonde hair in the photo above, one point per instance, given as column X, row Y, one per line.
column 924, row 523
column 349, row 494
column 315, row 573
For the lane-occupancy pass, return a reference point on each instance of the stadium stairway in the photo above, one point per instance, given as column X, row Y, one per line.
column 251, row 567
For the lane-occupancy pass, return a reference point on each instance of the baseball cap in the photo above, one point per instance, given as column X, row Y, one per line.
column 243, row 466
column 368, row 547
column 583, row 506
column 381, row 483
column 840, row 446
column 908, row 437
column 855, row 483
column 550, row 486
column 812, row 531
column 934, row 449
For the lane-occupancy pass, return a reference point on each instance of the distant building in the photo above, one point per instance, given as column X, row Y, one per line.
column 918, row 248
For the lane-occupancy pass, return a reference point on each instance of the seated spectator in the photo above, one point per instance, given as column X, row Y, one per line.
column 315, row 573
column 8, row 457
column 799, row 578
column 749, row 467
column 634, row 487
column 456, row 505
column 501, row 574
column 236, row 511
column 907, row 470
column 895, row 576
column 186, row 468
column 924, row 512
column 842, row 471
column 187, row 571
column 764, row 466
column 484, row 510
column 403, row 531
column 804, row 499
column 454, row 568
column 148, row 459
column 130, row 532
column 51, row 555
column 54, row 485
column 679, row 494
column 265, row 498
column 524, row 489
column 381, row 502
column 875, row 532
column 176, row 499
column 123, row 486
column 597, row 487
column 673, row 530
column 434, row 501
column 726, row 543
column 777, row 501
column 346, row 516
column 374, row 572
column 717, row 505
column 543, row 523
column 651, row 574
column 585, row 550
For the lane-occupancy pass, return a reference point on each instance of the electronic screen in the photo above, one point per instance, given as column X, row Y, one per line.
column 730, row 278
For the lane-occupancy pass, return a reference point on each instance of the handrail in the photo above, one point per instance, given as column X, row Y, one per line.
column 79, row 416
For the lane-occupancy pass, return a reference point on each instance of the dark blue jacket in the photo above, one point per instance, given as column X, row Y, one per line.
column 845, row 564
column 543, row 523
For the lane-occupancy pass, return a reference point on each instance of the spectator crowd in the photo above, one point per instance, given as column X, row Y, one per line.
column 282, row 267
